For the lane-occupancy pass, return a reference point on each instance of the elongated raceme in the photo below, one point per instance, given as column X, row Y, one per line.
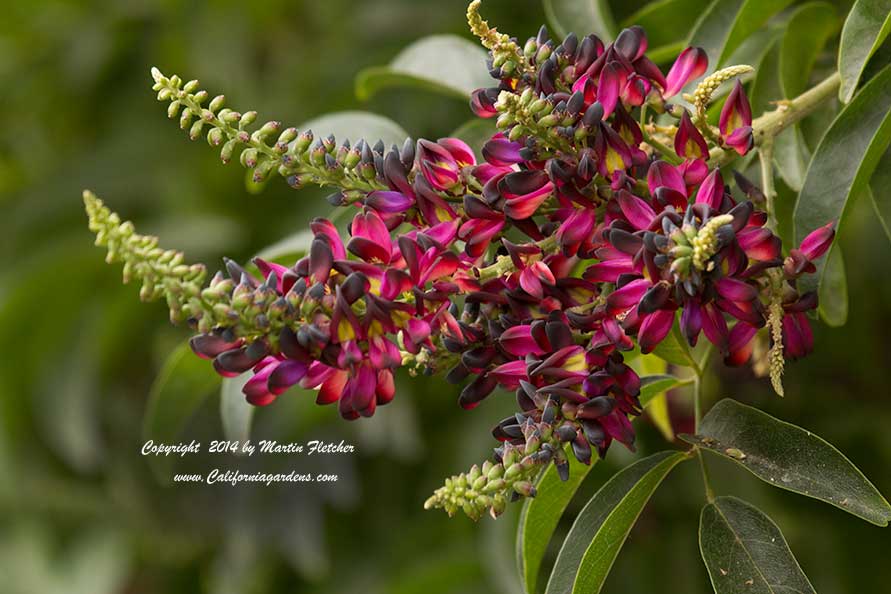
column 578, row 238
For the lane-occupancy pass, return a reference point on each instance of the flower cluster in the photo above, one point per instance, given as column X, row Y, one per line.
column 596, row 222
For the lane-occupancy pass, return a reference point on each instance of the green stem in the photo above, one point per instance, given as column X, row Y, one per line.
column 697, row 417
column 667, row 153
column 765, row 157
column 504, row 264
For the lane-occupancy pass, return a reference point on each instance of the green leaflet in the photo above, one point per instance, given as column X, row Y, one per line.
column 183, row 383
column 654, row 385
column 789, row 457
column 866, row 27
column 841, row 168
column 879, row 192
column 833, row 292
column 667, row 23
column 540, row 516
column 674, row 348
column 809, row 28
column 745, row 552
column 728, row 23
column 581, row 17
column 460, row 68
column 601, row 528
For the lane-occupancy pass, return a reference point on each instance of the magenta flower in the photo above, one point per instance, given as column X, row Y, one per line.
column 523, row 192
column 735, row 122
column 441, row 162
column 817, row 242
column 688, row 142
column 692, row 63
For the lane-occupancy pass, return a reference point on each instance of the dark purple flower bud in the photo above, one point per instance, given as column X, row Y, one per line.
column 631, row 43
column 596, row 408
column 236, row 361
column 208, row 346
column 477, row 390
column 291, row 347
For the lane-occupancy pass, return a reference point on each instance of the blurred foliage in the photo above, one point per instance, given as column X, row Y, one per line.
column 82, row 510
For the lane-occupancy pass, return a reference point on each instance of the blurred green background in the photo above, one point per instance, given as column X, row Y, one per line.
column 82, row 511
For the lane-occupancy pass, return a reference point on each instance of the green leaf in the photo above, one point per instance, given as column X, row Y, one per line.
column 601, row 528
column 790, row 458
column 745, row 552
column 235, row 411
column 445, row 64
column 355, row 125
column 666, row 22
column 842, row 166
column 653, row 385
column 728, row 23
column 866, row 27
column 674, row 349
column 581, row 17
column 540, row 515
column 833, row 295
column 879, row 192
column 809, row 28
column 183, row 383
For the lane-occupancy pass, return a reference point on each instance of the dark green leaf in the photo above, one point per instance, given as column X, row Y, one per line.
column 728, row 23
column 745, row 552
column 445, row 64
column 790, row 458
column 809, row 28
column 866, row 27
column 843, row 164
column 601, row 528
column 183, row 383
column 580, row 17
column 235, row 411
column 879, row 192
column 653, row 385
column 833, row 296
column 667, row 22
column 674, row 349
column 540, row 515
column 354, row 125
